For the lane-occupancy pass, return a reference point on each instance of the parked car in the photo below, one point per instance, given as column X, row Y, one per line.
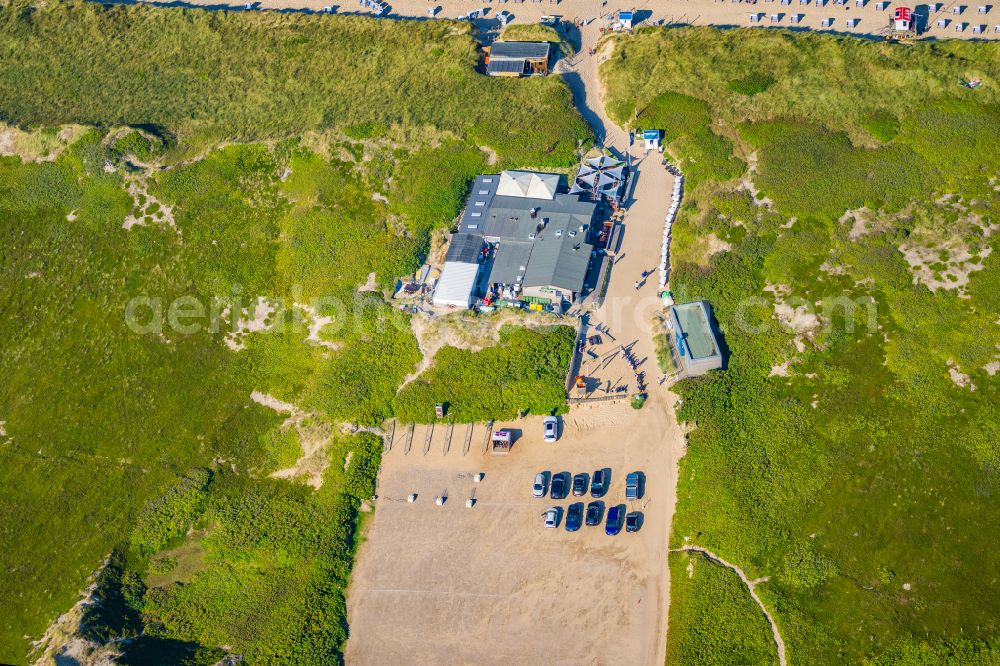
column 560, row 483
column 616, row 516
column 633, row 521
column 595, row 511
column 552, row 518
column 580, row 485
column 600, row 482
column 574, row 517
column 551, row 429
column 633, row 486
column 541, row 484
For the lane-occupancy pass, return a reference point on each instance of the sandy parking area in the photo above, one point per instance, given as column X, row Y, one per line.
column 491, row 585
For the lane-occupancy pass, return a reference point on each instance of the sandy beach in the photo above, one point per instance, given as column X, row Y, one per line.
column 796, row 15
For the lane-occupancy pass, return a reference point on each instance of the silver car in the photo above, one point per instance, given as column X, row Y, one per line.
column 552, row 518
column 540, row 486
column 551, row 425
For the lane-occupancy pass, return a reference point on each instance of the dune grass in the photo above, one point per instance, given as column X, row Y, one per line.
column 848, row 462
column 281, row 181
column 260, row 75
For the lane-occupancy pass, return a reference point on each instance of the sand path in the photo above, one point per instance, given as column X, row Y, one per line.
column 627, row 311
column 751, row 585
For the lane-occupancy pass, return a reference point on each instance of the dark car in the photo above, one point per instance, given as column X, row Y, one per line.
column 574, row 517
column 600, row 482
column 616, row 516
column 580, row 485
column 595, row 511
column 633, row 521
column 633, row 486
column 559, row 485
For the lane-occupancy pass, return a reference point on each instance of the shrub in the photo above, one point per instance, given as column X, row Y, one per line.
column 525, row 372
column 168, row 517
column 881, row 124
column 752, row 84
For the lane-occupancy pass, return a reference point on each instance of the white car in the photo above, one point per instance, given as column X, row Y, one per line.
column 552, row 518
column 540, row 486
column 551, row 425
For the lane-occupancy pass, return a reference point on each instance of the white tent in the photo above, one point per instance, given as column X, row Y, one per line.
column 528, row 185
column 458, row 280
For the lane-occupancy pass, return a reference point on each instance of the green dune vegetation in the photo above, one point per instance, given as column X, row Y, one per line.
column 713, row 617
column 841, row 217
column 524, row 373
column 189, row 207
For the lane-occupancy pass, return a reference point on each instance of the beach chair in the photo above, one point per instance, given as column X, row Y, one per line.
column 983, row 9
column 825, row 23
column 959, row 27
column 942, row 23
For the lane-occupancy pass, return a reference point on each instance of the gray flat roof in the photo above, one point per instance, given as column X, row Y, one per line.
column 478, row 203
column 559, row 262
column 557, row 255
column 510, row 217
column 511, row 262
column 519, row 50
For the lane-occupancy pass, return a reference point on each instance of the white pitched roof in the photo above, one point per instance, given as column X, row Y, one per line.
column 528, row 184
